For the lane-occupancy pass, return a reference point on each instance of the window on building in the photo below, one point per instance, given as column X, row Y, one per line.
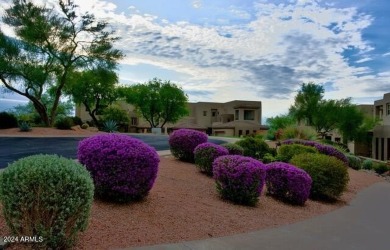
column 247, row 132
column 204, row 113
column 214, row 112
column 134, row 121
column 388, row 109
column 249, row 115
column 236, row 115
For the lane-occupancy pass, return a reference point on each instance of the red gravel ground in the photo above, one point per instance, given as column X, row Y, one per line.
column 183, row 205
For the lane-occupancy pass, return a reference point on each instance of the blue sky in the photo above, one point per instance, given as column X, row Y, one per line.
column 253, row 50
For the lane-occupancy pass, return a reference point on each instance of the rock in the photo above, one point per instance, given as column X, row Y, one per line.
column 76, row 128
column 93, row 129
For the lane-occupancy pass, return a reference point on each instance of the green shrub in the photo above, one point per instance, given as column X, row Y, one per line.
column 48, row 196
column 380, row 168
column 233, row 148
column 117, row 114
column 85, row 126
column 329, row 175
column 367, row 164
column 205, row 154
column 354, row 161
column 110, row 126
column 287, row 151
column 77, row 120
column 268, row 158
column 254, row 147
column 8, row 120
column 64, row 123
column 298, row 132
column 24, row 126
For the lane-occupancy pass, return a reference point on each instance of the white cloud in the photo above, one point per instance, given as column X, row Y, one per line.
column 265, row 59
column 197, row 4
column 366, row 59
column 386, row 54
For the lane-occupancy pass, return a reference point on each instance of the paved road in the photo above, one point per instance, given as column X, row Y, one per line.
column 13, row 148
column 364, row 224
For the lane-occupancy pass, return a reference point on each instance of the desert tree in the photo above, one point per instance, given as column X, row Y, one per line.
column 50, row 43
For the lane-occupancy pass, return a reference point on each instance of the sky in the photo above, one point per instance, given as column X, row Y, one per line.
column 262, row 50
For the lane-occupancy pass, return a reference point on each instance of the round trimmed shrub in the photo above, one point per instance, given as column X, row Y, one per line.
column 329, row 175
column 234, row 149
column 367, row 164
column 239, row 179
column 8, row 120
column 48, row 196
column 182, row 143
column 288, row 183
column 354, row 162
column 322, row 149
column 64, row 123
column 254, row 147
column 286, row 151
column 380, row 168
column 123, row 168
column 205, row 154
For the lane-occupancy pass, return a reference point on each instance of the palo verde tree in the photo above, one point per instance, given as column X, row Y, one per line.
column 157, row 101
column 327, row 115
column 306, row 102
column 95, row 89
column 50, row 43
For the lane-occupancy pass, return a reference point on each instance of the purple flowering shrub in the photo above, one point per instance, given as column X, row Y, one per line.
column 205, row 154
column 123, row 168
column 239, row 179
column 182, row 143
column 323, row 149
column 288, row 183
column 329, row 174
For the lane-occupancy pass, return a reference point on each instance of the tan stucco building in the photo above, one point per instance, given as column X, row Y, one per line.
column 381, row 133
column 234, row 118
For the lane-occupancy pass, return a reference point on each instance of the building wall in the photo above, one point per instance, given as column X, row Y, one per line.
column 381, row 133
column 204, row 114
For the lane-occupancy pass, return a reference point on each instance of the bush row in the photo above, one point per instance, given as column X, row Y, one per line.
column 310, row 174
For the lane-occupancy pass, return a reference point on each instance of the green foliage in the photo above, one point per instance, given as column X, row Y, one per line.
column 116, row 114
column 64, row 123
column 380, row 168
column 306, row 102
column 8, row 120
column 110, row 126
column 234, row 149
column 24, row 126
column 277, row 123
column 47, row 196
column 205, row 154
column 157, row 101
column 254, row 147
column 29, row 114
column 367, row 164
column 77, row 120
column 50, row 43
column 95, row 89
column 288, row 151
column 354, row 161
column 84, row 126
column 329, row 175
column 298, row 132
column 350, row 122
column 268, row 158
